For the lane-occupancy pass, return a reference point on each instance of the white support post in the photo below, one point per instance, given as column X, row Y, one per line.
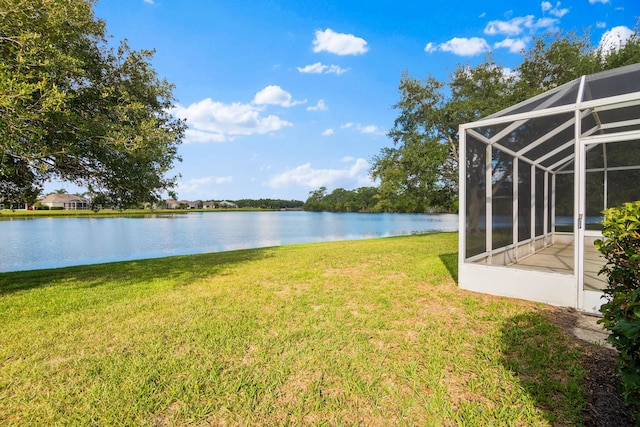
column 489, row 207
column 553, row 208
column 580, row 175
column 533, row 209
column 605, row 197
column 515, row 180
column 462, row 197
column 545, row 225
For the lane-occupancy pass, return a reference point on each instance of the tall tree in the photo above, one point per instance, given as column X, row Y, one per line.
column 73, row 109
column 421, row 169
column 554, row 59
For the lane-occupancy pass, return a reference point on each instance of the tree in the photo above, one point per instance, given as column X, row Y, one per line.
column 421, row 170
column 73, row 109
column 316, row 201
column 627, row 54
column 362, row 199
column 554, row 59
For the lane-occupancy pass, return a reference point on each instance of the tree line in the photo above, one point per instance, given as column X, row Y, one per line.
column 269, row 203
column 362, row 199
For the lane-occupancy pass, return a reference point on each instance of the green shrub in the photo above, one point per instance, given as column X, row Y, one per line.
column 621, row 248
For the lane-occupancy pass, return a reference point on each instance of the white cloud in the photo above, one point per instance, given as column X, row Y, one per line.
column 320, row 106
column 148, row 1
column 517, row 25
column 614, row 39
column 430, row 48
column 213, row 121
column 338, row 43
column 366, row 129
column 514, row 45
column 370, row 129
column 555, row 11
column 194, row 135
column 275, row 95
column 320, row 68
column 512, row 27
column 201, row 185
column 328, row 132
column 601, row 24
column 465, row 46
column 543, row 23
column 305, row 175
column 598, row 1
column 509, row 73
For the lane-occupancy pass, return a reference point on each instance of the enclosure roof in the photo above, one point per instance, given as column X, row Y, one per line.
column 606, row 84
column 601, row 107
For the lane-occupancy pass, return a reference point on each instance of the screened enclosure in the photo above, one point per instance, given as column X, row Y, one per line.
column 534, row 180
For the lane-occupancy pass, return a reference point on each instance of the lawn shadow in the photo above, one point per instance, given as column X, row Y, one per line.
column 544, row 360
column 559, row 370
column 183, row 269
column 450, row 261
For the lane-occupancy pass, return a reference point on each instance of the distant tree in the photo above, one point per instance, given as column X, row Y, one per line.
column 554, row 59
column 363, row 199
column 366, row 199
column 75, row 110
column 269, row 203
column 420, row 172
column 627, row 54
column 559, row 57
column 316, row 200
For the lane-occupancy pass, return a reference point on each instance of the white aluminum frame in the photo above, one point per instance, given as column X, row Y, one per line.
column 477, row 272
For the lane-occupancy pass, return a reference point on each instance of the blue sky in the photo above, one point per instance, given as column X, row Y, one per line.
column 285, row 96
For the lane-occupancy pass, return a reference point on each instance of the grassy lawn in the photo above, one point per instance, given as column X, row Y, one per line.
column 6, row 213
column 369, row 332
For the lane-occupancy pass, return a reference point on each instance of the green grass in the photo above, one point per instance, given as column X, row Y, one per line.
column 6, row 213
column 370, row 332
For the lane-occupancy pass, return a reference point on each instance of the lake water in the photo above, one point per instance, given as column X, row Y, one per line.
column 35, row 243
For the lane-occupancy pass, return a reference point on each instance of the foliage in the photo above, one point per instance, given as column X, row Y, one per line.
column 269, row 203
column 621, row 249
column 362, row 199
column 73, row 109
column 421, row 169
column 555, row 59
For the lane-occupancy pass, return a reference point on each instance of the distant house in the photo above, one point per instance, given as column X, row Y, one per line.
column 209, row 204
column 225, row 204
column 171, row 204
column 187, row 204
column 65, row 201
column 13, row 205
